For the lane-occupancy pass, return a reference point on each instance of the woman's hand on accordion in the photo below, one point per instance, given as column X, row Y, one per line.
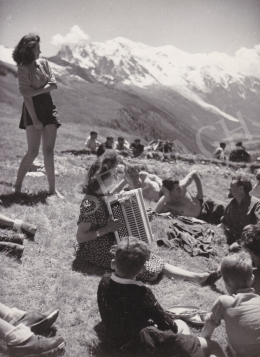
column 113, row 224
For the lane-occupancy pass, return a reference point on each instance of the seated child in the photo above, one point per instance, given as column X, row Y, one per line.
column 132, row 316
column 250, row 241
column 240, row 309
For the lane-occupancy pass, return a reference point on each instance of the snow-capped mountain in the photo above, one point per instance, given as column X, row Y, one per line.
column 194, row 76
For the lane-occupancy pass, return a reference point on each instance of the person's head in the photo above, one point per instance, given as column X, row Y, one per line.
column 93, row 135
column 110, row 140
column 240, row 186
column 239, row 143
column 130, row 257
column 106, row 163
column 172, row 186
column 237, row 272
column 222, row 145
column 109, row 160
column 250, row 241
column 98, row 181
column 27, row 50
column 137, row 142
column 133, row 171
column 121, row 140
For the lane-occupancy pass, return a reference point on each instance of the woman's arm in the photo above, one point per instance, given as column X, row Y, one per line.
column 25, row 86
column 30, row 107
column 85, row 234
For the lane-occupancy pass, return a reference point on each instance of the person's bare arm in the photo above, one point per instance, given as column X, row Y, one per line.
column 30, row 107
column 207, row 330
column 193, row 176
column 25, row 86
column 156, row 179
column 85, row 234
column 160, row 206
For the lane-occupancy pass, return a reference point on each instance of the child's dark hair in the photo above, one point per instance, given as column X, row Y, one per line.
column 169, row 183
column 250, row 238
column 23, row 52
column 93, row 133
column 243, row 181
column 130, row 256
column 238, row 269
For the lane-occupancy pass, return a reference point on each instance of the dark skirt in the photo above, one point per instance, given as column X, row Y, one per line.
column 45, row 110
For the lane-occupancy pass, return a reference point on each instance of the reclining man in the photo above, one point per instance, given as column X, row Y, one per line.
column 179, row 201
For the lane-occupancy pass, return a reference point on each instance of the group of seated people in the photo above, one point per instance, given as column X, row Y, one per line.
column 138, row 323
column 122, row 146
column 238, row 154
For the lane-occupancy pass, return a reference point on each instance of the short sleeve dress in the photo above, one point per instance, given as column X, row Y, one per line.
column 93, row 209
column 34, row 76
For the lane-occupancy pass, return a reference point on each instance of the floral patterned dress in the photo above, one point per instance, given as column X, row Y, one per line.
column 93, row 209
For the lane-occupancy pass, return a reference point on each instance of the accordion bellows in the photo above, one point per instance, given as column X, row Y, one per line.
column 129, row 208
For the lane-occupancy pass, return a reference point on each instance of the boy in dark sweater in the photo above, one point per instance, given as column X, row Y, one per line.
column 133, row 318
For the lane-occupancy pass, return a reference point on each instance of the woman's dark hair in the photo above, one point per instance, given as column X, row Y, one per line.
column 23, row 52
column 94, row 182
column 105, row 163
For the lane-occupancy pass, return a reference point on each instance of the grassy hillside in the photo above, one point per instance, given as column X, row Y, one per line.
column 47, row 275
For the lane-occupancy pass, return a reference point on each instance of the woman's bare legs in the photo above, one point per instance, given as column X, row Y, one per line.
column 49, row 134
column 175, row 272
column 33, row 140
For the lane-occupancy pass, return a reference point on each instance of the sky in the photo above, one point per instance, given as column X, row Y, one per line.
column 195, row 26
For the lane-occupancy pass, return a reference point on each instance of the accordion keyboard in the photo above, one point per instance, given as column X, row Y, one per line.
column 134, row 217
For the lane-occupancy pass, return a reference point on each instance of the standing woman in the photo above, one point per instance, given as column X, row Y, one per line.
column 39, row 115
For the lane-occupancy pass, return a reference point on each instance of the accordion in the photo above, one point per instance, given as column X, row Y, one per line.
column 129, row 208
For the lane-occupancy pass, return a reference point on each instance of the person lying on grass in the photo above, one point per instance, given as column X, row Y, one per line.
column 179, row 201
column 150, row 184
column 240, row 309
column 132, row 316
column 95, row 234
column 18, row 225
column 250, row 241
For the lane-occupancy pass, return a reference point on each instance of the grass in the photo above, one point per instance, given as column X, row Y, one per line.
column 47, row 275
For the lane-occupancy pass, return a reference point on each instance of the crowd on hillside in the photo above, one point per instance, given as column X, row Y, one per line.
column 134, row 321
